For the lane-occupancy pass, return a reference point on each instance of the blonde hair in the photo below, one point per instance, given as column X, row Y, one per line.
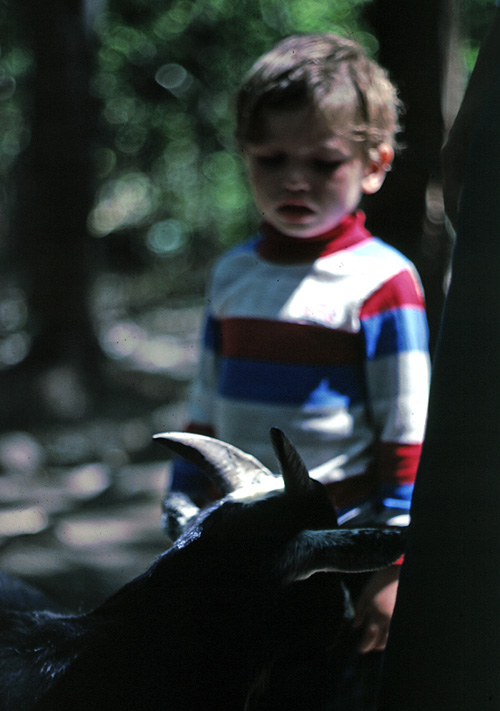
column 327, row 72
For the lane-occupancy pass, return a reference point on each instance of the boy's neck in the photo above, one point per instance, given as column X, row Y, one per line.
column 278, row 247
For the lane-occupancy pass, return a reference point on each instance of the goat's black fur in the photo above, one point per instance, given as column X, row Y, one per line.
column 203, row 628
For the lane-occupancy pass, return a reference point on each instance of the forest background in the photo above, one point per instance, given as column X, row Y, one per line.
column 120, row 183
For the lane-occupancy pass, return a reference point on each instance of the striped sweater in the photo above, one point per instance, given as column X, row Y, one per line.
column 325, row 338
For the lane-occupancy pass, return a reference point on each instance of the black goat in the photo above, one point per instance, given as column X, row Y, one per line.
column 205, row 626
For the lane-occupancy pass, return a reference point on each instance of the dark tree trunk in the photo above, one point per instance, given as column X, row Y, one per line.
column 56, row 185
column 443, row 650
column 413, row 45
column 49, row 240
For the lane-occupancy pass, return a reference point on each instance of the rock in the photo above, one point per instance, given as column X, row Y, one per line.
column 20, row 452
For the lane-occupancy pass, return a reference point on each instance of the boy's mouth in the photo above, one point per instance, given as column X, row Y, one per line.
column 295, row 212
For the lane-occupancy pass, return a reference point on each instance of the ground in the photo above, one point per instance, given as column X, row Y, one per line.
column 80, row 500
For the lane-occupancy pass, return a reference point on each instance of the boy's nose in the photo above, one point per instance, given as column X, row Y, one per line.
column 296, row 179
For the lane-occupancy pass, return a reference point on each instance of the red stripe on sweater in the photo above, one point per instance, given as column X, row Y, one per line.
column 283, row 249
column 284, row 342
column 397, row 463
column 402, row 290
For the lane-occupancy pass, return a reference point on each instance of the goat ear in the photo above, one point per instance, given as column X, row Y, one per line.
column 229, row 467
column 177, row 511
column 342, row 551
column 294, row 471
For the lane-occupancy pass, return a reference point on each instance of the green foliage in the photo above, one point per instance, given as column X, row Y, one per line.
column 477, row 16
column 15, row 64
column 166, row 78
column 169, row 173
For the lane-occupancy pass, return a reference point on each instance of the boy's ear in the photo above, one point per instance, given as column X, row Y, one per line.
column 378, row 164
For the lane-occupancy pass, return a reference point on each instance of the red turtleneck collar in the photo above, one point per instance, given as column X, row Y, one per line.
column 277, row 247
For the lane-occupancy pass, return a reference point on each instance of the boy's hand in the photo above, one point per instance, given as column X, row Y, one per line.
column 374, row 608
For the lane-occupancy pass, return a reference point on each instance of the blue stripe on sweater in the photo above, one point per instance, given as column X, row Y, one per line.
column 401, row 493
column 277, row 383
column 395, row 331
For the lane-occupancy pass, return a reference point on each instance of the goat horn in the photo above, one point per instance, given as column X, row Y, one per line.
column 229, row 467
column 342, row 550
column 293, row 469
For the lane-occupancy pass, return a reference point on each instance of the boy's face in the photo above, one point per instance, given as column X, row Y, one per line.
column 305, row 176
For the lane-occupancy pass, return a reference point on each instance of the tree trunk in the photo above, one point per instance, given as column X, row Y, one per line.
column 50, row 244
column 444, row 651
column 414, row 47
column 55, row 193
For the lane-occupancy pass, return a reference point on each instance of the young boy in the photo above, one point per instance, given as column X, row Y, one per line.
column 313, row 325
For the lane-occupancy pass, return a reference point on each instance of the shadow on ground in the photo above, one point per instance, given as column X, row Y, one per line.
column 78, row 531
column 80, row 496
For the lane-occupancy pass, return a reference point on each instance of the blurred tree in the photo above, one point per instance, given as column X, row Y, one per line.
column 422, row 45
column 48, row 242
column 414, row 45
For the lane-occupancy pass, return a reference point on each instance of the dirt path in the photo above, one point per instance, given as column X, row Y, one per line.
column 79, row 530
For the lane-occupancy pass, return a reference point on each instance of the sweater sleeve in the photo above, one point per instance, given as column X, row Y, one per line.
column 186, row 477
column 201, row 399
column 394, row 326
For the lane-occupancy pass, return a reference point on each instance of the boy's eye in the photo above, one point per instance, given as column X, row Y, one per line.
column 327, row 166
column 272, row 160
